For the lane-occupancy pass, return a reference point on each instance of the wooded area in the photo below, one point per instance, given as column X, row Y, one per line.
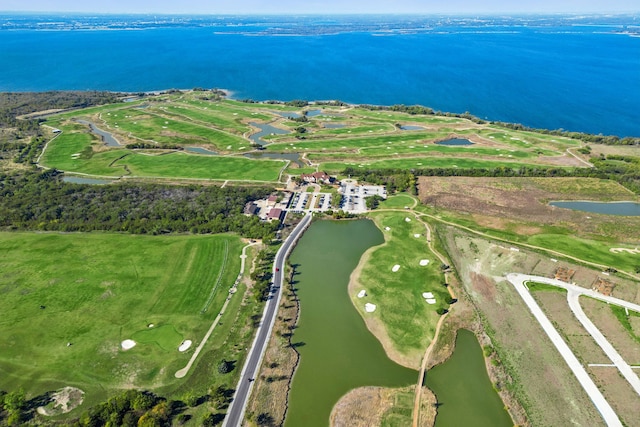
column 33, row 200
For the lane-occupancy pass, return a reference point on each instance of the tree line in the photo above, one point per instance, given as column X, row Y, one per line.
column 35, row 200
column 623, row 169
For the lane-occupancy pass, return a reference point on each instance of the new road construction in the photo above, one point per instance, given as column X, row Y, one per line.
column 573, row 292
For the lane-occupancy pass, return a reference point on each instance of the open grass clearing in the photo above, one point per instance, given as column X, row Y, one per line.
column 98, row 290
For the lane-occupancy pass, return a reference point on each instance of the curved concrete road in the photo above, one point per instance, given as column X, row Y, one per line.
column 606, row 411
column 250, row 369
column 605, row 345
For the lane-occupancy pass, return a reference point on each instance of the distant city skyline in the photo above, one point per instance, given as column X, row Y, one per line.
column 323, row 6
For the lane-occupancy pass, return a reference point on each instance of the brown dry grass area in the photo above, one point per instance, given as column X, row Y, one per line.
column 367, row 406
column 271, row 389
column 635, row 324
column 555, row 306
column 541, row 381
column 618, row 393
column 601, row 315
column 520, row 204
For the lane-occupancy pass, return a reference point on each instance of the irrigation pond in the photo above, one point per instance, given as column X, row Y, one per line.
column 338, row 353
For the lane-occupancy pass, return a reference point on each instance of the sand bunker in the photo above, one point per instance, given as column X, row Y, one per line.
column 185, row 345
column 629, row 251
column 427, row 295
column 431, row 301
column 128, row 344
column 62, row 401
column 424, row 262
column 362, row 294
column 416, row 235
column 395, row 268
column 387, row 228
column 369, row 308
column 407, row 219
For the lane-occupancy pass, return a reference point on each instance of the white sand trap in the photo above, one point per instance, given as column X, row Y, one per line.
column 424, row 262
column 407, row 219
column 150, row 325
column 416, row 235
column 431, row 301
column 128, row 344
column 395, row 268
column 427, row 295
column 369, row 308
column 387, row 228
column 185, row 345
column 362, row 294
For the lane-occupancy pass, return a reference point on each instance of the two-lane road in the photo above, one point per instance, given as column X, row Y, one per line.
column 245, row 384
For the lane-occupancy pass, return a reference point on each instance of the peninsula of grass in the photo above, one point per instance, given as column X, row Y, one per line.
column 403, row 320
column 69, row 300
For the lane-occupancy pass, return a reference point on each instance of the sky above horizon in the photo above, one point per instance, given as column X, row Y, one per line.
column 321, row 6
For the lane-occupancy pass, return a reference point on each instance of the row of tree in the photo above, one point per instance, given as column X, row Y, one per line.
column 34, row 200
column 623, row 169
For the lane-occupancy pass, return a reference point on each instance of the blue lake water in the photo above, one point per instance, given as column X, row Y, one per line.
column 265, row 129
column 547, row 75
column 613, row 208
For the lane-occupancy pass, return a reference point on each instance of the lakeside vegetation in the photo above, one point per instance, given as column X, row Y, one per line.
column 370, row 146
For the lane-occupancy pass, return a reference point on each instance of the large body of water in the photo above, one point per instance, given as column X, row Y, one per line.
column 542, row 72
column 338, row 353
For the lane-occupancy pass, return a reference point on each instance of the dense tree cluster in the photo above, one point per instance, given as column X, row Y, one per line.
column 152, row 146
column 13, row 105
column 42, row 201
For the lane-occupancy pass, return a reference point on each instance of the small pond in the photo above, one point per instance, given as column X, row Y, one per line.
column 293, row 157
column 265, row 129
column 411, row 127
column 455, row 142
column 333, row 125
column 79, row 180
column 464, row 391
column 314, row 113
column 200, row 150
column 107, row 138
column 287, row 114
column 612, row 208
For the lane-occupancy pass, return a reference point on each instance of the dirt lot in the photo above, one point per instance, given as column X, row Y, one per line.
column 520, row 205
column 604, row 319
column 542, row 382
column 555, row 306
column 618, row 393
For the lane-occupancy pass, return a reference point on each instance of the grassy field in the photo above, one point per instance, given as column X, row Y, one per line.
column 157, row 163
column 371, row 138
column 409, row 322
column 69, row 300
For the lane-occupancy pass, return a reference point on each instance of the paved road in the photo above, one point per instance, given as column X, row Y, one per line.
column 249, row 371
column 605, row 345
column 601, row 404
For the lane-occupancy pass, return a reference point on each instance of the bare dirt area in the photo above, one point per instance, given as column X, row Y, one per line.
column 539, row 378
column 555, row 306
column 521, row 204
column 618, row 393
column 63, row 401
column 604, row 319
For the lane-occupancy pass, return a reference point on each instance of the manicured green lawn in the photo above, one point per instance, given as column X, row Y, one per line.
column 423, row 162
column 409, row 320
column 93, row 291
column 60, row 151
